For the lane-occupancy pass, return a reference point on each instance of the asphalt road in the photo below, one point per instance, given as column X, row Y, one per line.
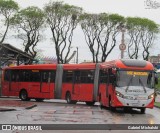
column 59, row 112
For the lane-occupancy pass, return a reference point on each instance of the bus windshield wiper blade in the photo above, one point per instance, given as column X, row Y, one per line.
column 142, row 85
column 129, row 83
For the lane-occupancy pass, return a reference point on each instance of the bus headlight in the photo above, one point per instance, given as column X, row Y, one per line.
column 151, row 96
column 119, row 94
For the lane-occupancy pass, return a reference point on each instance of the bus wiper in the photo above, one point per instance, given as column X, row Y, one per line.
column 129, row 83
column 142, row 85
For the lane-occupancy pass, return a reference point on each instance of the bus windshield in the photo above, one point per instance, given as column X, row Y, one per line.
column 135, row 78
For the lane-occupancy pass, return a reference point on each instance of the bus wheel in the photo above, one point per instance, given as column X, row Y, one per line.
column 143, row 110
column 100, row 102
column 90, row 103
column 68, row 98
column 39, row 99
column 24, row 95
column 110, row 106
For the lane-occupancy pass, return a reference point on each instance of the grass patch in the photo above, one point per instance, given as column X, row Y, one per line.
column 157, row 104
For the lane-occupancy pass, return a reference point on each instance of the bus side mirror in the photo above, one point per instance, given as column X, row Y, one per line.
column 113, row 79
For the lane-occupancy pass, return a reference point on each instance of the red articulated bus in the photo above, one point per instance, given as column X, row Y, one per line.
column 119, row 83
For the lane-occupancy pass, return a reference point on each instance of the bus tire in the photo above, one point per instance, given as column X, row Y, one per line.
column 110, row 106
column 68, row 98
column 100, row 102
column 39, row 99
column 90, row 103
column 143, row 110
column 24, row 95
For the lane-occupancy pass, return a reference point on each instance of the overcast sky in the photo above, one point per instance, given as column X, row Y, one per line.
column 126, row 8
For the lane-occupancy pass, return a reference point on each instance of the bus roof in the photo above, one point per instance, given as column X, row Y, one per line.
column 120, row 63
column 79, row 66
column 54, row 66
column 128, row 64
column 35, row 66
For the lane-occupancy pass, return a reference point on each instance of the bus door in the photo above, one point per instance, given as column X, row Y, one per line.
column 103, row 86
column 35, row 81
column 86, row 85
column 6, row 83
column 14, row 84
column 47, row 82
column 76, row 84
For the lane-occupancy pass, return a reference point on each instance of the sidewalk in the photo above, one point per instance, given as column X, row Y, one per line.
column 11, row 105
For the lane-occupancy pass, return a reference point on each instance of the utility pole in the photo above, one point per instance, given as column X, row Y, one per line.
column 122, row 46
column 77, row 56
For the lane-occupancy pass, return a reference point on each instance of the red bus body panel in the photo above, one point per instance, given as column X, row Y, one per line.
column 79, row 91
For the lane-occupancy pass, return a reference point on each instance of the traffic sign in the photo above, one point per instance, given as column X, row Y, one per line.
column 122, row 46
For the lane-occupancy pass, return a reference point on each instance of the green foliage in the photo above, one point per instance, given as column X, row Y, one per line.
column 8, row 4
column 157, row 104
column 29, row 22
column 62, row 20
column 115, row 18
column 7, row 7
column 29, row 18
column 142, row 23
column 102, row 18
column 142, row 33
column 58, row 9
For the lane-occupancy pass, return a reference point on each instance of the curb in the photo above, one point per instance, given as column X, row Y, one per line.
column 30, row 107
column 158, row 92
column 5, row 109
column 156, row 106
column 14, row 97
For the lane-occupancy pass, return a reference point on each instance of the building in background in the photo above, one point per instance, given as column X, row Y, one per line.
column 46, row 60
column 155, row 60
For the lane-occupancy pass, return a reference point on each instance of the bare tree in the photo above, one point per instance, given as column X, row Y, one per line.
column 100, row 32
column 7, row 9
column 91, row 29
column 62, row 19
column 29, row 22
column 142, row 33
column 148, row 35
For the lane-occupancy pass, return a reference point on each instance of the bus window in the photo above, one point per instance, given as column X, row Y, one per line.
column 68, row 76
column 45, row 76
column 87, row 76
column 24, row 75
column 48, row 76
column 14, row 75
column 151, row 80
column 7, row 75
column 53, row 76
column 35, row 76
column 135, row 78
column 103, row 76
column 77, row 77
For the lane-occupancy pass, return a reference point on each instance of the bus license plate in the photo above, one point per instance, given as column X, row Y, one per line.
column 135, row 104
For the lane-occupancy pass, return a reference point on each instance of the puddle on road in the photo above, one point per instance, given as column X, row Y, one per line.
column 6, row 109
column 77, row 107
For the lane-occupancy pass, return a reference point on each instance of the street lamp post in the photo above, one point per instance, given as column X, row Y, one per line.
column 77, row 56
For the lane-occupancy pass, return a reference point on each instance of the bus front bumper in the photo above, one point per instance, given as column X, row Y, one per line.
column 121, row 102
